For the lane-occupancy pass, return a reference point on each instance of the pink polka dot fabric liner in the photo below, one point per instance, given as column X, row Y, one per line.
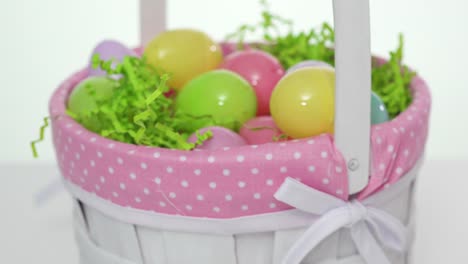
column 397, row 145
column 226, row 183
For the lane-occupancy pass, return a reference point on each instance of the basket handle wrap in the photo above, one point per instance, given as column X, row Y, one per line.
column 152, row 19
column 353, row 78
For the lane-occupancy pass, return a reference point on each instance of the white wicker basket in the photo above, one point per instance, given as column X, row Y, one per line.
column 102, row 239
column 322, row 229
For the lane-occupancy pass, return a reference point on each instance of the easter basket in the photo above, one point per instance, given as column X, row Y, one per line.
column 346, row 199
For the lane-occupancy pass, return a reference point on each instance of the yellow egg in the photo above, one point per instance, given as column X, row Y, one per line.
column 302, row 103
column 184, row 54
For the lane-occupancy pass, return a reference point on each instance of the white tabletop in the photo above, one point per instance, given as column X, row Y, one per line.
column 31, row 234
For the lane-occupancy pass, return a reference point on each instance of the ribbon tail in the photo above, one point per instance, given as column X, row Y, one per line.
column 367, row 245
column 48, row 192
column 320, row 230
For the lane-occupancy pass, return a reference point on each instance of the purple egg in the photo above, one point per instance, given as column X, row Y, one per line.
column 310, row 63
column 109, row 50
column 222, row 137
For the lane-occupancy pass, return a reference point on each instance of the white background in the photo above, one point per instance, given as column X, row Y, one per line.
column 43, row 42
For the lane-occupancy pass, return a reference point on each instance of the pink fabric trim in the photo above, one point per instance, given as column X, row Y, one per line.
column 398, row 144
column 227, row 183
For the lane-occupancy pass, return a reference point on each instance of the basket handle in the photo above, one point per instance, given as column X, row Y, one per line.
column 353, row 88
column 152, row 19
column 353, row 79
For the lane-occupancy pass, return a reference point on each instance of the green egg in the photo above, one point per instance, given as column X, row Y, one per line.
column 223, row 95
column 83, row 98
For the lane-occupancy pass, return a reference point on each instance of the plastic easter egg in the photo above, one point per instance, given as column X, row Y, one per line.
column 310, row 63
column 184, row 54
column 221, row 94
column 302, row 104
column 260, row 130
column 230, row 47
column 261, row 70
column 222, row 137
column 109, row 50
column 379, row 112
column 83, row 98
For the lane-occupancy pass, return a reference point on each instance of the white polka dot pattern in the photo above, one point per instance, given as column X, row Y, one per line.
column 230, row 182
column 397, row 150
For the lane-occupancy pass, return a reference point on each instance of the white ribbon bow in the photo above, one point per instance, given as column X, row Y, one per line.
column 369, row 227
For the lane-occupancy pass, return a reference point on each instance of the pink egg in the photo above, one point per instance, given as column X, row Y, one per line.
column 261, row 70
column 230, row 47
column 222, row 137
column 260, row 130
column 310, row 63
column 109, row 50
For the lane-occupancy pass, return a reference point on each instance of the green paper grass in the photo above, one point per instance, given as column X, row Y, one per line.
column 138, row 112
column 390, row 81
column 290, row 48
column 41, row 137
